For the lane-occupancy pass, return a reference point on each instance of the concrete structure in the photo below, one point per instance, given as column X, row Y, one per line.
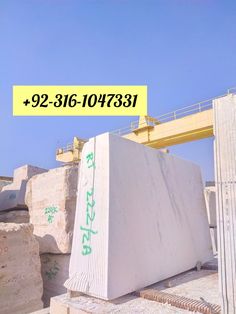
column 20, row 279
column 210, row 197
column 51, row 199
column 140, row 218
column 225, row 176
column 12, row 196
column 55, row 271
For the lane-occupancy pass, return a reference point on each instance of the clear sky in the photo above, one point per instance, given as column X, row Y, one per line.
column 184, row 50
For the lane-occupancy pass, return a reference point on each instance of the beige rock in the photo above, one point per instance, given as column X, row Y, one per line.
column 55, row 271
column 26, row 172
column 5, row 181
column 13, row 195
column 20, row 278
column 51, row 199
column 15, row 216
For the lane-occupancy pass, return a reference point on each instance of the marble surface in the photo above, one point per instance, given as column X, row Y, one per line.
column 225, row 174
column 140, row 218
column 210, row 198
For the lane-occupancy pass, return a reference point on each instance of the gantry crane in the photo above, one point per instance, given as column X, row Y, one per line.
column 190, row 123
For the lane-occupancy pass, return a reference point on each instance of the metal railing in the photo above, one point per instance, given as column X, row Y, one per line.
column 177, row 114
column 69, row 147
column 170, row 116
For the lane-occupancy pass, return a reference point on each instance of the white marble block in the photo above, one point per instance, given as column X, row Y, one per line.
column 12, row 196
column 210, row 198
column 225, row 176
column 51, row 199
column 21, row 284
column 140, row 218
column 54, row 270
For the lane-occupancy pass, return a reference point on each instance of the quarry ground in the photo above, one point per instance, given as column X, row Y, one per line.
column 192, row 284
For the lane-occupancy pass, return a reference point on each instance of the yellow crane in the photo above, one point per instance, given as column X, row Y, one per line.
column 187, row 124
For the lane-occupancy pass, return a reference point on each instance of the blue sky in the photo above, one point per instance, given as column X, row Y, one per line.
column 184, row 50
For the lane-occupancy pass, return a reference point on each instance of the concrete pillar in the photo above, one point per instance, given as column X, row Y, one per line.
column 225, row 176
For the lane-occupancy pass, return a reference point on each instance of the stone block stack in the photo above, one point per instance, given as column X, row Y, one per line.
column 21, row 285
column 12, row 196
column 51, row 199
column 5, row 181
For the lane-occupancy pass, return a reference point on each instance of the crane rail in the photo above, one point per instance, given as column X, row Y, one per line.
column 173, row 115
column 170, row 116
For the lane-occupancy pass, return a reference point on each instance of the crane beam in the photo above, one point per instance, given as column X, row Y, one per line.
column 189, row 128
column 184, row 125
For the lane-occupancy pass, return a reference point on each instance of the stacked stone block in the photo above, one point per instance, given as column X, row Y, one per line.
column 12, row 196
column 51, row 199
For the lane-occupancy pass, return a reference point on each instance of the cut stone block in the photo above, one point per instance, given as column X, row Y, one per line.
column 26, row 172
column 225, row 174
column 51, row 199
column 5, row 181
column 20, row 278
column 55, row 271
column 141, row 218
column 15, row 216
column 210, row 197
column 13, row 195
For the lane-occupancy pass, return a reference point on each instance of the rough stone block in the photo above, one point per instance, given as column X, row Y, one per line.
column 13, row 195
column 51, row 199
column 55, row 271
column 20, row 278
column 140, row 218
column 26, row 172
column 5, row 181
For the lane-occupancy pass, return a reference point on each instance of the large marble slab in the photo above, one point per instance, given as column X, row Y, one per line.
column 225, row 175
column 140, row 218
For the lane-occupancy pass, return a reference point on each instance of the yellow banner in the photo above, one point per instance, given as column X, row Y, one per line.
column 79, row 100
